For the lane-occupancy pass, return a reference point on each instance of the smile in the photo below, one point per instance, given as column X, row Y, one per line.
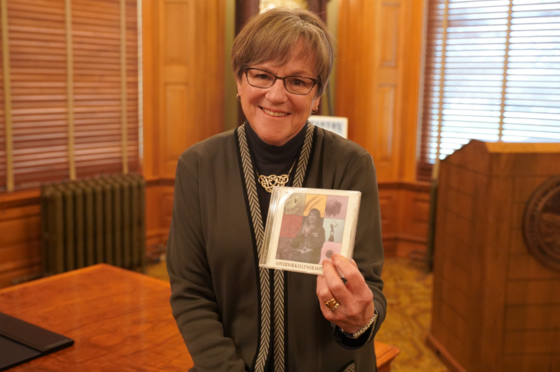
column 274, row 113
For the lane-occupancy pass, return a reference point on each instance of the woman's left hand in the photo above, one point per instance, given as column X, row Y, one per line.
column 355, row 298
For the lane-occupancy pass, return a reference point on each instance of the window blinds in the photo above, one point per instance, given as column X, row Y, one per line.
column 492, row 73
column 66, row 93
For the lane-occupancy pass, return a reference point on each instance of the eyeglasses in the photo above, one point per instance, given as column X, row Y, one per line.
column 294, row 84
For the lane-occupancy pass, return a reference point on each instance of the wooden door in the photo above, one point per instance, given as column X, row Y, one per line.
column 378, row 87
column 378, row 80
column 183, row 94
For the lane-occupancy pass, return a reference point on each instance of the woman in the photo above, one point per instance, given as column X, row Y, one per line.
column 234, row 315
column 309, row 239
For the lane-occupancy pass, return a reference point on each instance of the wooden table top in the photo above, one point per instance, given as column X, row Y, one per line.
column 120, row 321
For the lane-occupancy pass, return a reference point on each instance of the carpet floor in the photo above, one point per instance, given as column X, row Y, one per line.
column 409, row 303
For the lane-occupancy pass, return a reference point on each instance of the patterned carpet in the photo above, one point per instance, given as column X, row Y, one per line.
column 409, row 294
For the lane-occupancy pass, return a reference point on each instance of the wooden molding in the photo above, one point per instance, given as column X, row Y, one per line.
column 19, row 198
column 443, row 354
column 404, row 185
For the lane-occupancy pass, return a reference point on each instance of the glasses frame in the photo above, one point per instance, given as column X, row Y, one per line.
column 276, row 77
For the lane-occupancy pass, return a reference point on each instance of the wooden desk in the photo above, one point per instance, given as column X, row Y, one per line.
column 120, row 321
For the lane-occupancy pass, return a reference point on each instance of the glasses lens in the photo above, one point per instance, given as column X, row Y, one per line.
column 260, row 79
column 299, row 85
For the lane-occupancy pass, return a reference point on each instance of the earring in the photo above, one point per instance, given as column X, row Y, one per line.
column 238, row 97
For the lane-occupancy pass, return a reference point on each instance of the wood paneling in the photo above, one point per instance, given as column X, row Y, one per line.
column 390, row 26
column 386, row 120
column 378, row 80
column 183, row 100
column 183, row 56
column 20, row 233
column 159, row 201
column 183, row 79
column 404, row 218
column 483, row 271
column 377, row 89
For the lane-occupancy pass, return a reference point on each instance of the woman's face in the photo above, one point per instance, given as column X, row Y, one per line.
column 313, row 217
column 274, row 114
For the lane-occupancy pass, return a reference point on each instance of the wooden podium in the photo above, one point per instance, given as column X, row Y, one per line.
column 496, row 308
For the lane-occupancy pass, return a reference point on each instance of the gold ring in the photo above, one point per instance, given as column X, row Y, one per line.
column 332, row 304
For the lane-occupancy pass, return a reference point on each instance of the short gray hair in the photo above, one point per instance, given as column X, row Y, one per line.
column 272, row 36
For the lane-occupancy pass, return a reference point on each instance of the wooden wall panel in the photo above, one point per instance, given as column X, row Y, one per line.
column 377, row 89
column 390, row 27
column 175, row 20
column 388, row 203
column 159, row 201
column 378, row 80
column 415, row 212
column 386, row 120
column 176, row 132
column 176, row 28
column 404, row 216
column 183, row 79
column 20, row 233
column 183, row 104
column 175, row 35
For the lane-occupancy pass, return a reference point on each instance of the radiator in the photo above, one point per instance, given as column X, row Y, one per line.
column 93, row 221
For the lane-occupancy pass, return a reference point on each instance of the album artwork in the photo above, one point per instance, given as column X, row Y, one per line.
column 307, row 226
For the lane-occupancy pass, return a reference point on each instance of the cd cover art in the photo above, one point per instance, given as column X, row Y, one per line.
column 307, row 226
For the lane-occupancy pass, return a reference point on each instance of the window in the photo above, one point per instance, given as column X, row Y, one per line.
column 61, row 49
column 492, row 73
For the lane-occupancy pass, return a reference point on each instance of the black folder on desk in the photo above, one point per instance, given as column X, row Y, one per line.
column 21, row 341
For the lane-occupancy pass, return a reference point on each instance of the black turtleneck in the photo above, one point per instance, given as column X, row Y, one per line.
column 270, row 159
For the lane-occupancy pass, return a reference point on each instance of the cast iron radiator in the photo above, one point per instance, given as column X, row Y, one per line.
column 93, row 221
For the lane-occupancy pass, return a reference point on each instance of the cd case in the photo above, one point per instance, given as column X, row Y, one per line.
column 306, row 226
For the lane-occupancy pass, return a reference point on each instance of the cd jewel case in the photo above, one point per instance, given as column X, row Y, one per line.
column 306, row 226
